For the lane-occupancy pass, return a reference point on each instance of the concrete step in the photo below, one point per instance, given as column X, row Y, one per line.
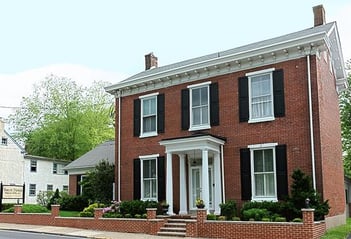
column 172, row 234
column 173, row 229
column 175, row 224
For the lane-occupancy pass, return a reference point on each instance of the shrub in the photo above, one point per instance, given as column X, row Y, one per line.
column 54, row 199
column 73, row 203
column 297, row 219
column 266, row 219
column 136, row 207
column 137, row 216
column 6, row 206
column 228, row 209
column 221, row 218
column 144, row 215
column 255, row 213
column 274, row 208
column 128, row 215
column 280, row 219
column 236, row 219
column 30, row 208
column 211, row 217
column 43, row 197
column 89, row 211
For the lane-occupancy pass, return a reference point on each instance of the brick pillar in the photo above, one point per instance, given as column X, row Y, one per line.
column 308, row 216
column 98, row 213
column 200, row 218
column 55, row 210
column 151, row 213
column 18, row 209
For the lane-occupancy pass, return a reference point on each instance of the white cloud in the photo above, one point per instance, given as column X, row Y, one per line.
column 15, row 86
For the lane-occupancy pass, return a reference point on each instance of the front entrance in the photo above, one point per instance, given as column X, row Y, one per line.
column 195, row 185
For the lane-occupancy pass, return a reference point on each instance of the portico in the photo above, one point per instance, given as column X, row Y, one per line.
column 200, row 159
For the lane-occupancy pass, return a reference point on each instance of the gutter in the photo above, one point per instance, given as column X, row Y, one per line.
column 119, row 149
column 311, row 121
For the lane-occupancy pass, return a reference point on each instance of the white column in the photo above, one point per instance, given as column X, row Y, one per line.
column 169, row 184
column 182, row 186
column 217, row 183
column 205, row 181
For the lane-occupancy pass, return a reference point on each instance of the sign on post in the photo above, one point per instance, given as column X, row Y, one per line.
column 11, row 192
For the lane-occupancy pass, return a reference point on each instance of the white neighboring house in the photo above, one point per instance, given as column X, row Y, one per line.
column 11, row 159
column 43, row 174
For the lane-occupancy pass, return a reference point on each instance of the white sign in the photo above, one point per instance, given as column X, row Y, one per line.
column 12, row 192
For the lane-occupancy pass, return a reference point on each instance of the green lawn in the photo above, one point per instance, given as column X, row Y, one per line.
column 69, row 214
column 340, row 232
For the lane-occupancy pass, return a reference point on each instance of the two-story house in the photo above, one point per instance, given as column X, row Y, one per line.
column 235, row 124
column 43, row 174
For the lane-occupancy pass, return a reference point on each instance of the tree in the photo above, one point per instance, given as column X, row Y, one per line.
column 98, row 183
column 345, row 108
column 63, row 120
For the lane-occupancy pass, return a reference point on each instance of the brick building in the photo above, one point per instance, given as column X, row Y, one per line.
column 235, row 124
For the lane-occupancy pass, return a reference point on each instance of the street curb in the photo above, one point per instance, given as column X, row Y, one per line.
column 45, row 233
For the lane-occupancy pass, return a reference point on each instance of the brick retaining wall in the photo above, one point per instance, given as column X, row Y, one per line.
column 201, row 227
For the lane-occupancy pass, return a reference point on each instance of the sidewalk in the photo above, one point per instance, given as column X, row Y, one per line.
column 84, row 233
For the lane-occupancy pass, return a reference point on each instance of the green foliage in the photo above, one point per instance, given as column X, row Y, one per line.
column 97, row 185
column 89, row 211
column 255, row 213
column 280, row 219
column 6, row 206
column 73, row 203
column 228, row 209
column 301, row 189
column 345, row 116
column 69, row 213
column 43, row 197
column 275, row 209
column 236, row 219
column 133, row 207
column 30, row 208
column 297, row 219
column 211, row 217
column 63, row 120
column 54, row 199
column 340, row 232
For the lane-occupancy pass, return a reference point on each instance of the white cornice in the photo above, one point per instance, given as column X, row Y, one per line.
column 228, row 63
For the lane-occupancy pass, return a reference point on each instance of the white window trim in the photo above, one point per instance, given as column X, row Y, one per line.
column 142, row 98
column 142, row 159
column 35, row 190
column 253, row 186
column 256, row 73
column 196, row 86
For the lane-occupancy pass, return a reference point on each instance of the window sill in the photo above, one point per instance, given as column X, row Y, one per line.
column 200, row 127
column 264, row 199
column 153, row 134
column 251, row 121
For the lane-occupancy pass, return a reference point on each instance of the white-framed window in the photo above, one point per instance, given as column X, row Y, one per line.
column 49, row 187
column 58, row 168
column 65, row 188
column 4, row 141
column 200, row 106
column 261, row 106
column 54, row 168
column 33, row 165
column 149, row 115
column 149, row 178
column 263, row 172
column 32, row 189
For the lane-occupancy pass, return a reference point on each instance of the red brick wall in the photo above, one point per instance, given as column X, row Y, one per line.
column 72, row 187
column 292, row 130
column 331, row 164
column 195, row 228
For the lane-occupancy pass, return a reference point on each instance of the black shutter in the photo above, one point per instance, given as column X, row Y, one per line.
column 214, row 104
column 245, row 171
column 282, row 175
column 161, row 181
column 243, row 99
column 78, row 185
column 185, row 109
column 161, row 113
column 137, row 115
column 278, row 91
column 137, row 180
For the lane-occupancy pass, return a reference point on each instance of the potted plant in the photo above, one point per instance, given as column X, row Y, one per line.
column 164, row 206
column 200, row 203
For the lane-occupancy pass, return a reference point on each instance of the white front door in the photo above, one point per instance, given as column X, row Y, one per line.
column 196, row 185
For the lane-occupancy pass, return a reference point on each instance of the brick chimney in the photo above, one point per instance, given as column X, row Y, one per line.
column 319, row 15
column 150, row 61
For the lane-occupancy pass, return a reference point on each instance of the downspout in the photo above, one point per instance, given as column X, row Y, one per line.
column 119, row 147
column 311, row 121
column 222, row 168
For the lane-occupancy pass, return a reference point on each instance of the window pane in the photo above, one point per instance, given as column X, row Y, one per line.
column 259, row 184
column 147, row 189
column 149, row 124
column 196, row 116
column 268, row 162
column 195, row 97
column 154, row 192
column 258, row 161
column 204, row 96
column 269, row 184
column 204, row 115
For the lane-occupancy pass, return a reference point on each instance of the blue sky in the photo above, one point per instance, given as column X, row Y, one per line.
column 107, row 39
